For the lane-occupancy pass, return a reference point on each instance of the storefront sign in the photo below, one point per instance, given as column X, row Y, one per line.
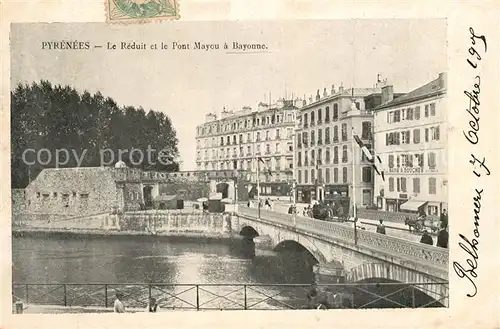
column 410, row 170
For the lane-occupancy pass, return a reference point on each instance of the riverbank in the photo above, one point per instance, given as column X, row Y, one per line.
column 170, row 235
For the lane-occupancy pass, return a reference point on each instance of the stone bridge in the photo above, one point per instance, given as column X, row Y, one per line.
column 375, row 257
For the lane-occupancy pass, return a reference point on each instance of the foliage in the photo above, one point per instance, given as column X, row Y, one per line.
column 59, row 117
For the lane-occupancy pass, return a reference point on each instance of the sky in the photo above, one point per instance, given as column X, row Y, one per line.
column 302, row 56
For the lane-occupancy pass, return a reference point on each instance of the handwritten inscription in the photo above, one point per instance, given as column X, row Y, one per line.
column 470, row 244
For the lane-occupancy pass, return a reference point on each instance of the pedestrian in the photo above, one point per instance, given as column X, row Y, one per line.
column 426, row 238
column 118, row 306
column 444, row 219
column 248, row 204
column 442, row 239
column 153, row 306
column 381, row 227
column 312, row 296
column 290, row 210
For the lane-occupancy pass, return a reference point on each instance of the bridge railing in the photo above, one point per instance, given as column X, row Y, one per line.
column 431, row 255
column 228, row 296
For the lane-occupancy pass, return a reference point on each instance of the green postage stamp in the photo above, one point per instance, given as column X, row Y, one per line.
column 140, row 11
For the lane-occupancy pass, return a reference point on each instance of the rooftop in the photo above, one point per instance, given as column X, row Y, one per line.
column 435, row 87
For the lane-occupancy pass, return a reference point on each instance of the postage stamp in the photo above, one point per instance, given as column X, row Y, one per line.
column 140, row 11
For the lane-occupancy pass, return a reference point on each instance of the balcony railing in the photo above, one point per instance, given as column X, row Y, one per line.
column 100, row 296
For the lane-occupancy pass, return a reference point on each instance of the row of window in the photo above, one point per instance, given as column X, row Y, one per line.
column 309, row 157
column 309, row 176
column 249, row 122
column 234, row 154
column 411, row 113
column 400, row 184
column 275, row 165
column 316, row 136
column 240, row 139
column 309, row 118
column 410, row 160
column 64, row 196
column 405, row 137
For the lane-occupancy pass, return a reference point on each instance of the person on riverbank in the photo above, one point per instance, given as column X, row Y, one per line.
column 118, row 306
column 153, row 306
column 426, row 238
column 381, row 227
column 312, row 296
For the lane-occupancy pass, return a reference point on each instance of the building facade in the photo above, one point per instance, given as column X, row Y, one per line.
column 411, row 138
column 236, row 141
column 324, row 147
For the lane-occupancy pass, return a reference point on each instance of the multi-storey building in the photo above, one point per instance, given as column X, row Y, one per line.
column 238, row 139
column 324, row 159
column 410, row 138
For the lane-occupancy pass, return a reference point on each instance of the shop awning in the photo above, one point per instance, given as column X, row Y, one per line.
column 412, row 205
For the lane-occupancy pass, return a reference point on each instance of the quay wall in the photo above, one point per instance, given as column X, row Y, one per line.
column 157, row 222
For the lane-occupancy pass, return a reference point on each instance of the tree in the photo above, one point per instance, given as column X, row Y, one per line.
column 59, row 117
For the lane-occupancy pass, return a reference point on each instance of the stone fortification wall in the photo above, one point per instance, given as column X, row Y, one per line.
column 72, row 192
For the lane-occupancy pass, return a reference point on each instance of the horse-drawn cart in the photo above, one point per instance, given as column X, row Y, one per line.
column 423, row 223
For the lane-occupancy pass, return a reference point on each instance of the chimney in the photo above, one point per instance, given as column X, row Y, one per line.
column 443, row 80
column 387, row 94
column 325, row 93
column 317, row 96
column 333, row 89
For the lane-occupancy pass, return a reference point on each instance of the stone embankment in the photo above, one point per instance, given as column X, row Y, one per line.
column 136, row 223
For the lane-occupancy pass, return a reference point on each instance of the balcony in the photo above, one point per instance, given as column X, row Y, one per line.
column 320, row 122
column 249, row 154
column 335, row 160
column 305, row 125
column 327, row 141
column 257, row 153
column 313, row 163
column 327, row 120
column 335, row 139
column 344, row 160
column 299, row 145
column 320, row 142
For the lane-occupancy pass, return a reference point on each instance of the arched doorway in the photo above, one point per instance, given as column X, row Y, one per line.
column 223, row 188
column 148, row 198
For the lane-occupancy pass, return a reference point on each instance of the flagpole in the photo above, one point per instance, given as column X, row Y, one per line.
column 354, row 212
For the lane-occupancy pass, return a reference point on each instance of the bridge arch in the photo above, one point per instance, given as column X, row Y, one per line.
column 428, row 293
column 293, row 245
column 249, row 231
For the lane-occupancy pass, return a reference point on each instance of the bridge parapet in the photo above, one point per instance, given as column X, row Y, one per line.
column 425, row 257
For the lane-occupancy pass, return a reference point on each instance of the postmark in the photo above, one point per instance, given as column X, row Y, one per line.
column 140, row 11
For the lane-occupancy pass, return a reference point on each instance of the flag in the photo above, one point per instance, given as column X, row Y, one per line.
column 267, row 170
column 369, row 156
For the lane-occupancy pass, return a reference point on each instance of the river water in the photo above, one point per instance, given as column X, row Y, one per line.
column 131, row 260
column 94, row 268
